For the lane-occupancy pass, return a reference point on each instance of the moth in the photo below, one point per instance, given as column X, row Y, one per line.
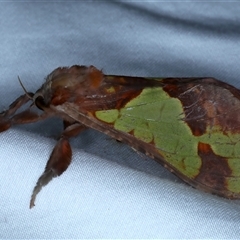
column 189, row 125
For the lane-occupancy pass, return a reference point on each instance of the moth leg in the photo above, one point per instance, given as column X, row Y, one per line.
column 24, row 117
column 59, row 160
column 14, row 106
column 5, row 122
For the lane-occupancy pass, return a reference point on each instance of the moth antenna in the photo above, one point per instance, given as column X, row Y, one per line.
column 24, row 89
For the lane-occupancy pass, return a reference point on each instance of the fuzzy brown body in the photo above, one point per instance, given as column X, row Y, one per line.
column 191, row 126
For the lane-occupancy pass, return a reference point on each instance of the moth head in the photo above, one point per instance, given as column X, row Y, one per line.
column 38, row 98
column 54, row 89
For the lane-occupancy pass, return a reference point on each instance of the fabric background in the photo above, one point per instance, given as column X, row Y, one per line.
column 109, row 191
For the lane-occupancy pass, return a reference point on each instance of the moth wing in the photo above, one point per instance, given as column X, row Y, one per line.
column 154, row 123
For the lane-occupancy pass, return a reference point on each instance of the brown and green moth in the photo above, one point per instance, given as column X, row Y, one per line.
column 189, row 125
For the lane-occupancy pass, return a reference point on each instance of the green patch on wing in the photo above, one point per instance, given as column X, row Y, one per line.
column 154, row 117
column 108, row 116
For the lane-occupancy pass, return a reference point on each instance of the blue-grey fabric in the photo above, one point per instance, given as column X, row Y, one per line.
column 109, row 190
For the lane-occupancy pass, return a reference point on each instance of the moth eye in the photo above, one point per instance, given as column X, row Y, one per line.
column 40, row 103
